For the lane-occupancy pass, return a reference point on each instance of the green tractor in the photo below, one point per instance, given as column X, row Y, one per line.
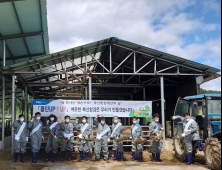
column 206, row 108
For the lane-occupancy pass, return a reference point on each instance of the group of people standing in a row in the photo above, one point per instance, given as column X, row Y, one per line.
column 34, row 129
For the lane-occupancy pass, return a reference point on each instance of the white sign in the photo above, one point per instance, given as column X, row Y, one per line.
column 93, row 108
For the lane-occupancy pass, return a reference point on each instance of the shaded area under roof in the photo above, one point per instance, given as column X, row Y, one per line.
column 23, row 24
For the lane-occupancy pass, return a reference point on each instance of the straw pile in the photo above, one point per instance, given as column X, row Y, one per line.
column 140, row 141
column 92, row 139
column 121, row 139
column 158, row 137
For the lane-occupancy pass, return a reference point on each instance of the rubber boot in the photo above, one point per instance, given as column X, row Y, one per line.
column 154, row 157
column 69, row 155
column 134, row 156
column 158, row 157
column 189, row 159
column 47, row 157
column 121, row 156
column 63, row 155
column 36, row 157
column 80, row 156
column 199, row 145
column 15, row 157
column 33, row 157
column 115, row 156
column 53, row 157
column 141, row 157
column 86, row 156
column 22, row 157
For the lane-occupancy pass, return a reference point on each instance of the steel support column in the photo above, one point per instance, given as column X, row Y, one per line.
column 144, row 93
column 3, row 96
column 13, row 111
column 110, row 58
column 26, row 101
column 90, row 98
column 162, row 107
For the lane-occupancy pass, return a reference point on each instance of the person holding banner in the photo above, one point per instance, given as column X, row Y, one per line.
column 154, row 130
column 103, row 138
column 85, row 132
column 190, row 134
column 21, row 137
column 117, row 132
column 35, row 125
column 136, row 132
column 68, row 136
column 51, row 146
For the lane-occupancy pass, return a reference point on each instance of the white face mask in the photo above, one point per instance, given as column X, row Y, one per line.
column 21, row 119
column 102, row 122
column 67, row 120
column 52, row 119
column 157, row 120
column 134, row 122
column 83, row 121
column 38, row 118
column 115, row 121
column 187, row 119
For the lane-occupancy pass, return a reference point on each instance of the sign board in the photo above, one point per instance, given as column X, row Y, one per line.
column 92, row 108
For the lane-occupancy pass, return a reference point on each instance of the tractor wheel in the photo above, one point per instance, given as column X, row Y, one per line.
column 180, row 149
column 213, row 153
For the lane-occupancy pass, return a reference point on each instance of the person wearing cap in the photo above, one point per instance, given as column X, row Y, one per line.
column 154, row 129
column 51, row 146
column 21, row 137
column 190, row 134
column 86, row 131
column 103, row 138
column 117, row 132
column 35, row 126
column 68, row 136
column 136, row 132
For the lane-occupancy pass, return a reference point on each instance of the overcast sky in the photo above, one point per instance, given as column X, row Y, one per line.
column 187, row 28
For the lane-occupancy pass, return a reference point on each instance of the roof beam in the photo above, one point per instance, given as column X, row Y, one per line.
column 9, row 0
column 24, row 56
column 12, row 36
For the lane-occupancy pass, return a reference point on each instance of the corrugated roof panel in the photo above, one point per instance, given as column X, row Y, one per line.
column 30, row 19
column 43, row 5
column 8, row 21
column 17, row 46
column 35, row 44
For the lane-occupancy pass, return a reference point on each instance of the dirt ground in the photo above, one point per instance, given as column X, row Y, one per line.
column 169, row 163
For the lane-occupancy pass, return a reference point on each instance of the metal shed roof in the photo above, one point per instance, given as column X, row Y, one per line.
column 100, row 46
column 66, row 70
column 23, row 25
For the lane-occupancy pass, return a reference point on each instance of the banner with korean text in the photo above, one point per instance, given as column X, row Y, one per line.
column 93, row 108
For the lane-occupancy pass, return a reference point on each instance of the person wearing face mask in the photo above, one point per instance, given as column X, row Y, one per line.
column 85, row 129
column 190, row 134
column 136, row 132
column 35, row 126
column 21, row 137
column 68, row 135
column 103, row 137
column 117, row 132
column 51, row 146
column 154, row 129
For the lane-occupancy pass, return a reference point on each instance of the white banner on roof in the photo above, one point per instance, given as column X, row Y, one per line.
column 92, row 108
